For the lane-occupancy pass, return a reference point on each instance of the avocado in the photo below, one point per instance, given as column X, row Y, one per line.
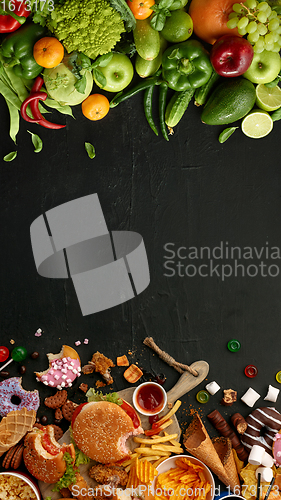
column 231, row 100
column 147, row 40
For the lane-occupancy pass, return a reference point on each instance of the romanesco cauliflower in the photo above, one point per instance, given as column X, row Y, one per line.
column 89, row 26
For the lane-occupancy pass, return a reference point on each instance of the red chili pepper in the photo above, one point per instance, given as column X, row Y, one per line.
column 11, row 20
column 33, row 100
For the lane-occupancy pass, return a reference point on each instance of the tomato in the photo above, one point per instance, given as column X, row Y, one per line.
column 132, row 413
column 210, row 17
column 95, row 107
column 141, row 8
column 48, row 446
column 76, row 411
column 48, row 52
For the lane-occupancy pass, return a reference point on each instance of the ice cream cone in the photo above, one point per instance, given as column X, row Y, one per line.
column 197, row 442
column 223, row 448
column 14, row 426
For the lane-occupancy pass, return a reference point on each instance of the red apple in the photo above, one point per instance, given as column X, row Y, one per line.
column 231, row 55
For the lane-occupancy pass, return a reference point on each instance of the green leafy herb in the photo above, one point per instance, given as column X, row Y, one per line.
column 10, row 156
column 81, row 83
column 80, row 457
column 90, row 150
column 94, row 395
column 37, row 142
column 276, row 115
column 126, row 45
column 161, row 12
column 226, row 133
column 69, row 476
column 125, row 13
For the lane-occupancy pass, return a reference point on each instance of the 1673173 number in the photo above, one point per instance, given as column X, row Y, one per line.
column 35, row 5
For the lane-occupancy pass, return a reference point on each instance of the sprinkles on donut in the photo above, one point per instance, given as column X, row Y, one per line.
column 12, row 387
column 263, row 425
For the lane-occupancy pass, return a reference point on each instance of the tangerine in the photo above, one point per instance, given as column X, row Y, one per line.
column 95, row 107
column 141, row 8
column 48, row 52
column 210, row 17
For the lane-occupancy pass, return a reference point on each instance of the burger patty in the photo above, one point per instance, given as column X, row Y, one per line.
column 109, row 474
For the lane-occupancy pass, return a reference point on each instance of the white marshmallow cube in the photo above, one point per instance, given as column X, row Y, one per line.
column 267, row 460
column 256, row 455
column 272, row 394
column 212, row 388
column 250, row 397
column 266, row 474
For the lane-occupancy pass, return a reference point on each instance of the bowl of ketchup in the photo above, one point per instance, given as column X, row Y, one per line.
column 149, row 398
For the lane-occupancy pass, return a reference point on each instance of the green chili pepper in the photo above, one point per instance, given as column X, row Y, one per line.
column 186, row 65
column 162, row 107
column 17, row 50
column 202, row 93
column 142, row 85
column 148, row 95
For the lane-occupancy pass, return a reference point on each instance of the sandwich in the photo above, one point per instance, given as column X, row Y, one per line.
column 100, row 430
column 44, row 457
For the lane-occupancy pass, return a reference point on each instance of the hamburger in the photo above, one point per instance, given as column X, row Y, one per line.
column 101, row 429
column 44, row 456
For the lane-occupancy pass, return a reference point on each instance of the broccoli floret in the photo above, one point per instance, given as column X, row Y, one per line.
column 89, row 26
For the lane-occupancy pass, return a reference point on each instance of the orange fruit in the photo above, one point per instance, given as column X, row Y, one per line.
column 141, row 8
column 48, row 52
column 210, row 17
column 95, row 107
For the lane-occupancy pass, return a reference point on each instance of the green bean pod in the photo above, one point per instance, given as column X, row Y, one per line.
column 144, row 84
column 147, row 101
column 162, row 107
column 177, row 107
column 202, row 93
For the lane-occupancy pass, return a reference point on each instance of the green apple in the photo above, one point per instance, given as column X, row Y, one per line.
column 118, row 73
column 264, row 67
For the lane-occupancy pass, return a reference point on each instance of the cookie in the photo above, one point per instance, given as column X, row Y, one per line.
column 58, row 414
column 17, row 457
column 68, row 409
column 6, row 463
column 57, row 400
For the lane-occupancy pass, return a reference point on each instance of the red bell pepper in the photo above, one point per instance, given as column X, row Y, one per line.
column 13, row 15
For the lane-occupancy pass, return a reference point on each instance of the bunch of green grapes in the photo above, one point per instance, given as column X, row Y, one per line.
column 259, row 22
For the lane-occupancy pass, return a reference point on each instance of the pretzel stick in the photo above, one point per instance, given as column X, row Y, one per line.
column 180, row 367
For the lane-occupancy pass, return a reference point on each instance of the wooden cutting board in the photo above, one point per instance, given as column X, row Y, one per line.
column 186, row 383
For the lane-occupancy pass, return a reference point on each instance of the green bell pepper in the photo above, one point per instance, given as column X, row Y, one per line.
column 17, row 51
column 186, row 65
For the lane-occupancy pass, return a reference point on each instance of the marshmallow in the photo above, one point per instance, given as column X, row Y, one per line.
column 266, row 474
column 250, row 397
column 212, row 387
column 256, row 455
column 272, row 394
column 267, row 460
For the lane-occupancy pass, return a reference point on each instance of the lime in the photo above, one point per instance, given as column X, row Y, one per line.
column 268, row 99
column 257, row 124
column 178, row 27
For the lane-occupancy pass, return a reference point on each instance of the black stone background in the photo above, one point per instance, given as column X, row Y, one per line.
column 192, row 191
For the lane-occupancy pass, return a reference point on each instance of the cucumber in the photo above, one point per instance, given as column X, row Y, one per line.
column 177, row 107
column 147, row 40
column 145, row 68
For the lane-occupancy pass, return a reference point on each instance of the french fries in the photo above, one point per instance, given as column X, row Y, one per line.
column 150, row 452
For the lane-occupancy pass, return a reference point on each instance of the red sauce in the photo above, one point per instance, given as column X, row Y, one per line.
column 150, row 398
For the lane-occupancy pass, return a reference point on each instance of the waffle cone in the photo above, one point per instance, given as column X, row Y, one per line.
column 14, row 426
column 197, row 442
column 223, row 448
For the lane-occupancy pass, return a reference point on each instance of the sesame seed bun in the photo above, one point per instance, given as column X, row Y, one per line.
column 101, row 429
column 39, row 462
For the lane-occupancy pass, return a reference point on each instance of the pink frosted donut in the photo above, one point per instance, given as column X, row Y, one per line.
column 12, row 387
